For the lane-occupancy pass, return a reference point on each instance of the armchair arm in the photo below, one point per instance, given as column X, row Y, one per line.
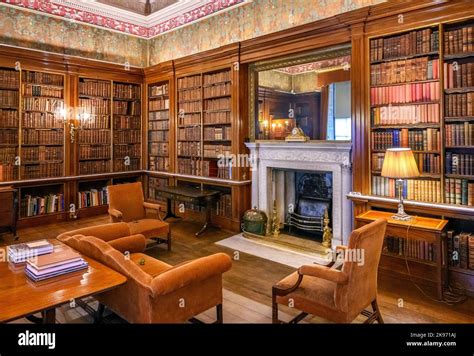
column 154, row 206
column 192, row 272
column 329, row 274
column 132, row 243
column 116, row 214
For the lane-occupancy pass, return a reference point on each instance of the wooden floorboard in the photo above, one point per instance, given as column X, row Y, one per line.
column 247, row 286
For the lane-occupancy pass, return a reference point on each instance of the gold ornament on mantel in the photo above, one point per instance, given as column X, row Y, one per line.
column 327, row 231
column 296, row 135
column 275, row 226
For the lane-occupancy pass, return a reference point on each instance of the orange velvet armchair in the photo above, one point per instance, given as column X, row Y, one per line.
column 126, row 204
column 337, row 295
column 155, row 292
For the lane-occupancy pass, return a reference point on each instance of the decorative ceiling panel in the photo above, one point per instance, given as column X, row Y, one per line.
column 128, row 16
column 326, row 64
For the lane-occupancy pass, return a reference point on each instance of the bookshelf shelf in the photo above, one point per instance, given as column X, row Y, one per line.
column 412, row 56
column 460, row 119
column 460, row 176
column 410, row 126
column 461, row 270
column 460, row 55
column 407, row 103
column 459, row 90
column 407, row 82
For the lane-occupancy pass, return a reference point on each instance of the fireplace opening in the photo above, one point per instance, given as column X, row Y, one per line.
column 306, row 197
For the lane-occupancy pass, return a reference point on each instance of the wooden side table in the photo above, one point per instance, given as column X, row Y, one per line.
column 422, row 266
column 8, row 209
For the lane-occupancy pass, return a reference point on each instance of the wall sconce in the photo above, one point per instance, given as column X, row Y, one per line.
column 72, row 133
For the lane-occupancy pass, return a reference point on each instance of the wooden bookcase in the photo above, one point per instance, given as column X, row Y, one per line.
column 159, row 126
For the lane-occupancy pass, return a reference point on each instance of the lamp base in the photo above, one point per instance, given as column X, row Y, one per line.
column 402, row 217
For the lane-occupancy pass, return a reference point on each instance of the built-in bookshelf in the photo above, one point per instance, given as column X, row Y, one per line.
column 42, row 200
column 405, row 95
column 154, row 184
column 92, row 194
column 9, row 123
column 42, row 125
column 159, row 127
column 459, row 113
column 95, row 129
column 126, row 126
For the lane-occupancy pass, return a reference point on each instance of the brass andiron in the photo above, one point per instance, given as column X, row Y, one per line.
column 327, row 231
column 275, row 227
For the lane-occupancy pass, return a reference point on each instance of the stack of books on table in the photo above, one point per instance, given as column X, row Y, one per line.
column 61, row 262
column 19, row 253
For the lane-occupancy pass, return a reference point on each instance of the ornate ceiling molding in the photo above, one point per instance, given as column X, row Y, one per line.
column 90, row 12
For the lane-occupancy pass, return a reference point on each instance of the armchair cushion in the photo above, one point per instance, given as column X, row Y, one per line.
column 192, row 272
column 149, row 227
column 132, row 243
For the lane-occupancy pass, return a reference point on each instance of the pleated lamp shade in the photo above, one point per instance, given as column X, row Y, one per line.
column 399, row 163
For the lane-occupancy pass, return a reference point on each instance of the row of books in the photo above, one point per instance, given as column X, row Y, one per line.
column 417, row 140
column 158, row 115
column 404, row 71
column 421, row 250
column 413, row 189
column 8, row 154
column 9, row 98
column 8, row 118
column 42, row 170
column 94, row 88
column 127, row 122
column 189, row 133
column 189, row 149
column 121, row 165
column 458, row 75
column 460, row 249
column 42, row 137
column 41, row 120
column 95, row 122
column 40, row 205
column 126, row 108
column 459, row 191
column 406, row 93
column 159, row 104
column 94, row 137
column 94, row 152
column 128, row 136
column 8, row 172
column 223, row 206
column 30, row 77
column 215, row 151
column 189, row 95
column 427, row 162
column 20, row 253
column 459, row 134
column 217, row 90
column 94, row 167
column 157, row 90
column 459, row 40
column 158, row 149
column 190, row 119
column 189, row 82
column 9, row 78
column 38, row 90
column 122, row 151
column 190, row 166
column 405, row 114
column 189, row 107
column 9, row 137
column 218, row 77
column 411, row 43
column 217, row 104
column 459, row 163
column 158, row 125
column 94, row 106
column 60, row 262
column 127, row 91
column 43, row 104
column 158, row 136
column 459, row 104
column 211, row 168
column 41, row 153
column 92, row 197
column 217, row 133
column 160, row 164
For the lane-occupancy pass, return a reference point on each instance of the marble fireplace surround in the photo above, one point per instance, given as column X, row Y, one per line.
column 317, row 156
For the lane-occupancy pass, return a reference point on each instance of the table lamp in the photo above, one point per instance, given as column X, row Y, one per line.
column 400, row 164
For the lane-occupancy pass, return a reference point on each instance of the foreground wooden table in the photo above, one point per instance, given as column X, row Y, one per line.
column 20, row 297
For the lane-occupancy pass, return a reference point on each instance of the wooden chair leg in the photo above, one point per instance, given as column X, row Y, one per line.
column 376, row 309
column 99, row 314
column 274, row 308
column 219, row 314
column 169, row 240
